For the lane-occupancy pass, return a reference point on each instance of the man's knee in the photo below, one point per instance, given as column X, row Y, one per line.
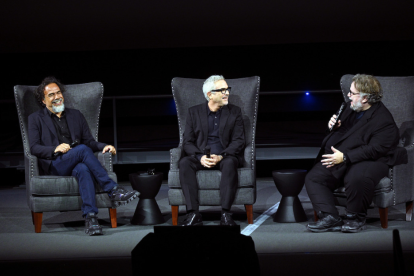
column 230, row 162
column 185, row 162
column 79, row 169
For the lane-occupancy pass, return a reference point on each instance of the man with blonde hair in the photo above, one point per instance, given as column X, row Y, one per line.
column 356, row 154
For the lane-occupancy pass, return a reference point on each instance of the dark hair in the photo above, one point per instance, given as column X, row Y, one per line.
column 40, row 90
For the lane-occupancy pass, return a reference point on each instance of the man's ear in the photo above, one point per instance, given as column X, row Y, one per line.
column 209, row 95
column 365, row 100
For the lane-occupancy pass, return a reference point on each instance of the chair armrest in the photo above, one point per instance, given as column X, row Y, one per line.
column 105, row 159
column 175, row 155
column 403, row 178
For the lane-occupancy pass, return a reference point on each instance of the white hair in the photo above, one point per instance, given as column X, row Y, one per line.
column 209, row 84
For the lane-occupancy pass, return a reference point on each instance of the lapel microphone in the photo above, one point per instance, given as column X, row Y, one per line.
column 74, row 144
column 337, row 115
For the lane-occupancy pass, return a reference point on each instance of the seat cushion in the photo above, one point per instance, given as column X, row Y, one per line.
column 47, row 185
column 210, row 179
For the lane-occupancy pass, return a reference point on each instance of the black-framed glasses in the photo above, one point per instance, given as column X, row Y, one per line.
column 353, row 93
column 223, row 90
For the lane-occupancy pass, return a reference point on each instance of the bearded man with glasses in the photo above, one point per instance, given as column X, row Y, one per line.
column 53, row 131
column 218, row 126
column 357, row 154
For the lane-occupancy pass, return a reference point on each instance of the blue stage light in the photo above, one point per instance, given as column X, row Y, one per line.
column 307, row 93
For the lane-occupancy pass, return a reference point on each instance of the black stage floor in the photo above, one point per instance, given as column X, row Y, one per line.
column 283, row 248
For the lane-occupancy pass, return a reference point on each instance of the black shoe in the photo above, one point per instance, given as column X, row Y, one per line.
column 353, row 224
column 120, row 196
column 326, row 223
column 227, row 220
column 92, row 226
column 192, row 219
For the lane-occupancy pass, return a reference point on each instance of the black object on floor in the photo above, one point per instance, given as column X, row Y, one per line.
column 289, row 183
column 147, row 212
column 195, row 250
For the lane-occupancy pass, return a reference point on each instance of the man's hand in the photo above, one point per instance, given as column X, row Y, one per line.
column 332, row 159
column 210, row 162
column 109, row 148
column 63, row 148
column 332, row 122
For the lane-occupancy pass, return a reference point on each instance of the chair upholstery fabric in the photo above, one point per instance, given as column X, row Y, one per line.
column 398, row 97
column 245, row 94
column 47, row 193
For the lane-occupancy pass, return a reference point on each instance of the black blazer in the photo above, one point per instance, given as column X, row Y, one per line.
column 231, row 131
column 374, row 137
column 43, row 138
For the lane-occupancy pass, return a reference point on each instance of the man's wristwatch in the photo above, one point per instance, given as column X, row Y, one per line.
column 344, row 158
column 221, row 157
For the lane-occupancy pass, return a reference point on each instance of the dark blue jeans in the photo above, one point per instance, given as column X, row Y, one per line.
column 81, row 163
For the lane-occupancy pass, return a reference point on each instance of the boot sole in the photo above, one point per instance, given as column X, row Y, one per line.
column 118, row 203
column 332, row 229
column 94, row 232
column 354, row 230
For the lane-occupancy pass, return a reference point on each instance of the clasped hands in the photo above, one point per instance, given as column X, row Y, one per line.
column 332, row 159
column 210, row 162
column 64, row 148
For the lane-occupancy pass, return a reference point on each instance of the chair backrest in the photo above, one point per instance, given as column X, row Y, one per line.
column 87, row 98
column 245, row 94
column 398, row 96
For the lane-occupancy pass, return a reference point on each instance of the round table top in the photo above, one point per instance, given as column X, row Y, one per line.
column 145, row 174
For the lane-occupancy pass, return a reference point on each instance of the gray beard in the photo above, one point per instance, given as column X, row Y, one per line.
column 357, row 106
column 58, row 109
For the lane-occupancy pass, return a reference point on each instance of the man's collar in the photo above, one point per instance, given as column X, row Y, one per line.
column 217, row 112
column 51, row 114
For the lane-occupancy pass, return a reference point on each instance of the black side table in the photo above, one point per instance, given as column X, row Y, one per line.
column 289, row 183
column 147, row 212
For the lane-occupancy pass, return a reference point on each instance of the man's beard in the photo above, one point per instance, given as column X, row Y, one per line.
column 357, row 106
column 58, row 109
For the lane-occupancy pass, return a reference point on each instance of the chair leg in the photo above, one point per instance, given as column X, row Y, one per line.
column 37, row 221
column 383, row 212
column 409, row 210
column 315, row 216
column 249, row 213
column 174, row 214
column 112, row 216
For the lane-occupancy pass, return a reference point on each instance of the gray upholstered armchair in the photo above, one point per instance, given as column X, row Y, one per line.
column 245, row 94
column 49, row 193
column 398, row 187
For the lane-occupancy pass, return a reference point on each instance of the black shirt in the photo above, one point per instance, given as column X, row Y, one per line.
column 61, row 126
column 213, row 138
column 344, row 128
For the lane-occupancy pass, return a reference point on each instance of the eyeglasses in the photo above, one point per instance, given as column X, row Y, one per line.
column 222, row 90
column 52, row 95
column 353, row 93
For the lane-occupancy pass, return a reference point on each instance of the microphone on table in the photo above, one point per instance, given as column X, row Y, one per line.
column 207, row 151
column 74, row 144
column 337, row 115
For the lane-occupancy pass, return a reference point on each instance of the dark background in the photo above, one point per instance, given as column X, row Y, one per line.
column 137, row 47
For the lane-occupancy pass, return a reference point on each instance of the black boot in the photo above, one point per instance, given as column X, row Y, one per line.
column 326, row 223
column 120, row 196
column 92, row 226
column 353, row 224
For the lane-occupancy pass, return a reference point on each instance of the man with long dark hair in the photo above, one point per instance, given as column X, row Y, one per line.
column 52, row 131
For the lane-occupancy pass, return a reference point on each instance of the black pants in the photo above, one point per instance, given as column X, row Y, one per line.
column 228, row 184
column 360, row 180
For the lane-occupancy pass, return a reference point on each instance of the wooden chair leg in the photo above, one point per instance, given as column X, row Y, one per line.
column 249, row 213
column 174, row 214
column 383, row 212
column 37, row 221
column 112, row 216
column 409, row 210
column 315, row 216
